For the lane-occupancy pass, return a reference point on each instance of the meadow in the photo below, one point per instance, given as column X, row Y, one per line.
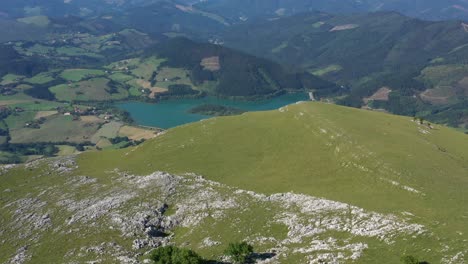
column 380, row 162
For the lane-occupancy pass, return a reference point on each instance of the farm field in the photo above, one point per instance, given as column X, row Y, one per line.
column 41, row 78
column 76, row 75
column 136, row 133
column 108, row 130
column 96, row 89
column 56, row 129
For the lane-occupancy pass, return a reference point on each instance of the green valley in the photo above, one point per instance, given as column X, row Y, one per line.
column 233, row 132
column 367, row 52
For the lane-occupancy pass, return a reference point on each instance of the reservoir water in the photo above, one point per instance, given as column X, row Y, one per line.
column 171, row 113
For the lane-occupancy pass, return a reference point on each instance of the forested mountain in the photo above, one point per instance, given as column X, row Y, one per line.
column 172, row 19
column 227, row 72
column 83, row 8
column 367, row 52
column 57, row 8
column 250, row 9
column 307, row 182
column 169, row 17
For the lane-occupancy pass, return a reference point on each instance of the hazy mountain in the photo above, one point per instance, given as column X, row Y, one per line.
column 234, row 73
column 18, row 8
column 249, row 9
column 366, row 52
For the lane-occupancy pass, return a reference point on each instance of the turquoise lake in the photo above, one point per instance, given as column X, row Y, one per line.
column 172, row 113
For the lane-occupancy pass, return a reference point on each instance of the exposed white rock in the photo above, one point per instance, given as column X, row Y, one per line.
column 208, row 242
column 21, row 256
column 136, row 206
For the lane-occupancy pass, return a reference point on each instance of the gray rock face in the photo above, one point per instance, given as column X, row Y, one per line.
column 21, row 256
column 63, row 165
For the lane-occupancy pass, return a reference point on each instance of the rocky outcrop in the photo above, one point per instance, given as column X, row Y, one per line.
column 145, row 210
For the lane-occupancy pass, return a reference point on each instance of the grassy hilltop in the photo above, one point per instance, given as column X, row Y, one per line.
column 399, row 188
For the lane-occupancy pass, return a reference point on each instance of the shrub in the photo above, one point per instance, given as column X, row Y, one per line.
column 409, row 260
column 174, row 255
column 239, row 252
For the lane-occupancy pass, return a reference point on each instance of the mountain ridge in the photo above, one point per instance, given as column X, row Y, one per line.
column 376, row 184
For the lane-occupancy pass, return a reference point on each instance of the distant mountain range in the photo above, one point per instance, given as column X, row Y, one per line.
column 420, row 62
column 384, row 54
column 241, row 10
column 250, row 9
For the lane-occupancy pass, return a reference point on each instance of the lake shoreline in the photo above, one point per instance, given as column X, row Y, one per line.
column 175, row 112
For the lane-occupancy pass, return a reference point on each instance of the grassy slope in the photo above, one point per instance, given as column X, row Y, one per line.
column 342, row 154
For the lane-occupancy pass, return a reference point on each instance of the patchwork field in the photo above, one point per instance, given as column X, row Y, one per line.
column 43, row 114
column 108, row 130
column 40, row 21
column 11, row 78
column 145, row 68
column 41, row 78
column 169, row 76
column 55, row 129
column 76, row 75
column 96, row 89
column 137, row 133
column 380, row 95
column 326, row 70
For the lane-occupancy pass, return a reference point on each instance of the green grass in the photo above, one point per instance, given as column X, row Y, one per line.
column 5, row 156
column 16, row 98
column 318, row 24
column 39, row 105
column 11, row 78
column 146, row 67
column 18, row 120
column 75, row 51
column 237, row 226
column 56, row 129
column 169, row 74
column 41, row 78
column 443, row 74
column 437, row 60
column 324, row 71
column 41, row 49
column 65, row 150
column 120, row 65
column 75, row 75
column 92, row 89
column 40, row 21
column 280, row 47
column 120, row 77
column 109, row 130
column 323, row 150
column 341, row 154
column 134, row 91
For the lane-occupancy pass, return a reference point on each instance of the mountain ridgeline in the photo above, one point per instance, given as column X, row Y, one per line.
column 307, row 182
column 366, row 186
column 366, row 52
column 253, row 9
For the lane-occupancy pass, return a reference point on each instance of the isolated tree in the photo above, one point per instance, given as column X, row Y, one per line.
column 239, row 252
column 175, row 255
column 50, row 150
